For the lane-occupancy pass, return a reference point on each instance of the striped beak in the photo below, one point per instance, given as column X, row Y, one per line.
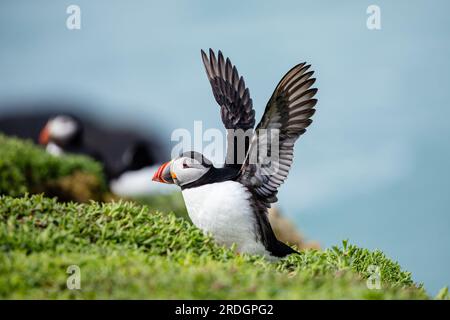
column 163, row 174
column 44, row 136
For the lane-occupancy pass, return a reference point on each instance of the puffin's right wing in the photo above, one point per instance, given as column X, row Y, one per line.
column 286, row 117
column 236, row 106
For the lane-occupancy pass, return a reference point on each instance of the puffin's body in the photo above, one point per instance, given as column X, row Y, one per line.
column 224, row 210
column 231, row 203
column 230, row 212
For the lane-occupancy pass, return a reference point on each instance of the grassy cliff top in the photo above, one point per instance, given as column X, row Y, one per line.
column 125, row 250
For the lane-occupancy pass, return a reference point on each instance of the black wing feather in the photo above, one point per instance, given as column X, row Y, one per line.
column 236, row 106
column 289, row 111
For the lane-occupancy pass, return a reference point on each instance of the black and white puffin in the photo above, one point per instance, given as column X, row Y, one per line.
column 64, row 133
column 231, row 203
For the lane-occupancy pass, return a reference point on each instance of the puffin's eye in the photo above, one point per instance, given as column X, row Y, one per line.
column 185, row 165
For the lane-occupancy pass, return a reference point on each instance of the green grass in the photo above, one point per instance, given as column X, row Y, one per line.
column 125, row 250
column 25, row 167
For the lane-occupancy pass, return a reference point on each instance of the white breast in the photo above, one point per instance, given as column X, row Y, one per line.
column 223, row 210
column 54, row 149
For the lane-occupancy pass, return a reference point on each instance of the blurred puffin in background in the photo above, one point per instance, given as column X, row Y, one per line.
column 65, row 134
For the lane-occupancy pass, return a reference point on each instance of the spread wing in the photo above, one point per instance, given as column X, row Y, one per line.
column 236, row 106
column 287, row 115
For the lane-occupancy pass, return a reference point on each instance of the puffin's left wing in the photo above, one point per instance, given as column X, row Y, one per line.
column 236, row 106
column 286, row 117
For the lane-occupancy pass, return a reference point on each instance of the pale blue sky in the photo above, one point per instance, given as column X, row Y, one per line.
column 374, row 167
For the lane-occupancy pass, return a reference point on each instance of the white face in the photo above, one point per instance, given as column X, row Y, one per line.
column 185, row 170
column 62, row 128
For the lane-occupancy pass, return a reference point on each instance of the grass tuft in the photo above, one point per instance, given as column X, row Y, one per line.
column 27, row 168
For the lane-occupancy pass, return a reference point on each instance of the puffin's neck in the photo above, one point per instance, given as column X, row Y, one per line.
column 214, row 175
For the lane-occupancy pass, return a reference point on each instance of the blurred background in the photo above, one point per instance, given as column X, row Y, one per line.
column 373, row 167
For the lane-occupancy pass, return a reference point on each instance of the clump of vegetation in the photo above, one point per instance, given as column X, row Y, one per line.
column 125, row 250
column 79, row 187
column 25, row 167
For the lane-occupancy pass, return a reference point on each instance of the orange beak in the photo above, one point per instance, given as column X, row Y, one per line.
column 163, row 174
column 44, row 136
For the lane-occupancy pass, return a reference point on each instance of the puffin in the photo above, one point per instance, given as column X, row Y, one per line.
column 231, row 202
column 64, row 133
